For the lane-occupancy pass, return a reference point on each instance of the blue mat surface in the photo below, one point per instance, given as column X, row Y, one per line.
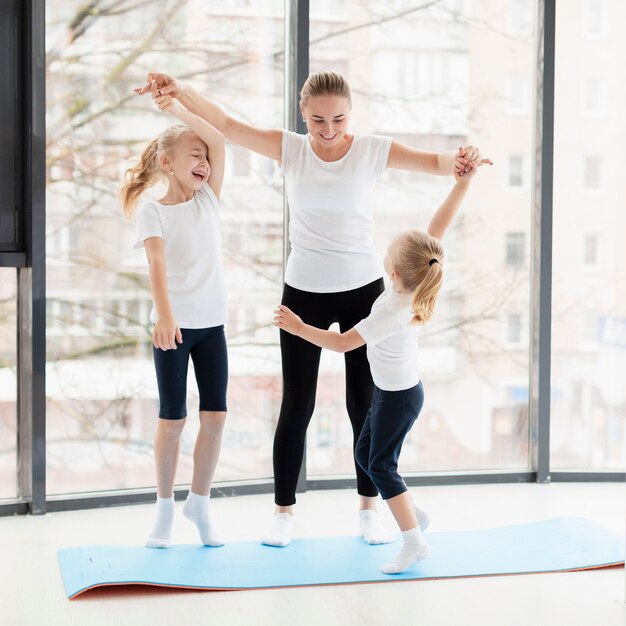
column 559, row 544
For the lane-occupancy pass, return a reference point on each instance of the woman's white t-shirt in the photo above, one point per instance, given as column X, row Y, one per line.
column 331, row 225
column 193, row 256
column 391, row 342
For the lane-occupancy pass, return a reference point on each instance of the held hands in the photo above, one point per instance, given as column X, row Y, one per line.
column 168, row 105
column 287, row 320
column 162, row 84
column 166, row 333
column 466, row 160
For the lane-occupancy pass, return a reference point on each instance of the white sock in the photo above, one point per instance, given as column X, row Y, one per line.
column 372, row 528
column 279, row 534
column 423, row 519
column 414, row 549
column 161, row 531
column 196, row 509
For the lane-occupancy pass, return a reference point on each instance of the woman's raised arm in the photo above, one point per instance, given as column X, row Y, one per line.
column 264, row 141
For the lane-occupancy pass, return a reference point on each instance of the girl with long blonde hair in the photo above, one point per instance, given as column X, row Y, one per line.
column 180, row 234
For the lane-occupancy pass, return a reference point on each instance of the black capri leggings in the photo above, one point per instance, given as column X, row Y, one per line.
column 300, row 363
column 207, row 349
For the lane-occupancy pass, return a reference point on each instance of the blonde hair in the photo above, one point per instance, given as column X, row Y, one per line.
column 148, row 171
column 417, row 258
column 325, row 84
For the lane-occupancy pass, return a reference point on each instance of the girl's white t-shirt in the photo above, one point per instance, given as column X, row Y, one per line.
column 391, row 342
column 331, row 225
column 193, row 256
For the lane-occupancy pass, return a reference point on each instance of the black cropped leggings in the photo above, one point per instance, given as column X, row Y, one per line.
column 300, row 364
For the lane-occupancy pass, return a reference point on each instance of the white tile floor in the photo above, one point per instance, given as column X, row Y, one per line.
column 31, row 590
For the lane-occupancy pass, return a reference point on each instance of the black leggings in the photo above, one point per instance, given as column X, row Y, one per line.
column 300, row 362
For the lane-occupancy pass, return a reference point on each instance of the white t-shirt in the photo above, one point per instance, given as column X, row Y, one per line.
column 331, row 227
column 391, row 342
column 193, row 256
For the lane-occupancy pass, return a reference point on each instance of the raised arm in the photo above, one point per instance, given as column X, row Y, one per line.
column 264, row 141
column 444, row 215
column 288, row 321
column 403, row 157
column 212, row 137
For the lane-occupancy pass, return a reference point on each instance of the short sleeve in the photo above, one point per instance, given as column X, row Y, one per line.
column 290, row 150
column 148, row 224
column 378, row 148
column 207, row 196
column 381, row 323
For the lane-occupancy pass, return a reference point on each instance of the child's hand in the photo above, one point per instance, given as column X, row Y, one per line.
column 467, row 158
column 168, row 105
column 166, row 333
column 287, row 320
column 469, row 171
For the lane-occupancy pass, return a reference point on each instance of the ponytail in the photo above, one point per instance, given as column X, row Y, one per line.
column 148, row 171
column 137, row 179
column 425, row 295
column 418, row 259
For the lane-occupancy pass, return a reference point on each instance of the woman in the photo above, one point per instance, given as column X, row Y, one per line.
column 334, row 273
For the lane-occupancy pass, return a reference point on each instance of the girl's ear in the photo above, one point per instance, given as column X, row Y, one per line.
column 164, row 162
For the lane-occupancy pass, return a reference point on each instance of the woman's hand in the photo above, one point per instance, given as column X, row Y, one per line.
column 466, row 159
column 466, row 176
column 162, row 84
column 287, row 320
column 166, row 333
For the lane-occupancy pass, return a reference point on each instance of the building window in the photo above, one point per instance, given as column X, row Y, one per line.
column 594, row 96
column 591, row 249
column 514, row 328
column 594, row 18
column 515, row 243
column 517, row 94
column 592, row 172
column 516, row 170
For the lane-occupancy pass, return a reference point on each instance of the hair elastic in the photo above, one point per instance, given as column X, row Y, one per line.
column 432, row 261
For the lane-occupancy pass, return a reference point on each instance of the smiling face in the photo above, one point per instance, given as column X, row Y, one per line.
column 326, row 117
column 188, row 159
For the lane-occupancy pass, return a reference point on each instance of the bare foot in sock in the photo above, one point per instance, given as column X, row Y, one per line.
column 160, row 535
column 372, row 528
column 279, row 534
column 414, row 548
column 196, row 510
column 423, row 519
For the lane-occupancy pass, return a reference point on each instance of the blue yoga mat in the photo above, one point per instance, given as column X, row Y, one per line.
column 554, row 545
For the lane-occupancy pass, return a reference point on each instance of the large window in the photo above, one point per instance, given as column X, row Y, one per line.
column 588, row 416
column 101, row 388
column 424, row 75
column 8, row 383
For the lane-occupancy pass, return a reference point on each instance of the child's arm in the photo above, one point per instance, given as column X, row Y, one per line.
column 166, row 331
column 287, row 320
column 444, row 215
column 212, row 137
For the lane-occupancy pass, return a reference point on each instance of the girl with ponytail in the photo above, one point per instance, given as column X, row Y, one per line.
column 414, row 264
column 181, row 237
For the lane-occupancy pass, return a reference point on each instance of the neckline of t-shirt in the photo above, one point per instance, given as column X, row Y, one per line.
column 343, row 158
column 170, row 206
